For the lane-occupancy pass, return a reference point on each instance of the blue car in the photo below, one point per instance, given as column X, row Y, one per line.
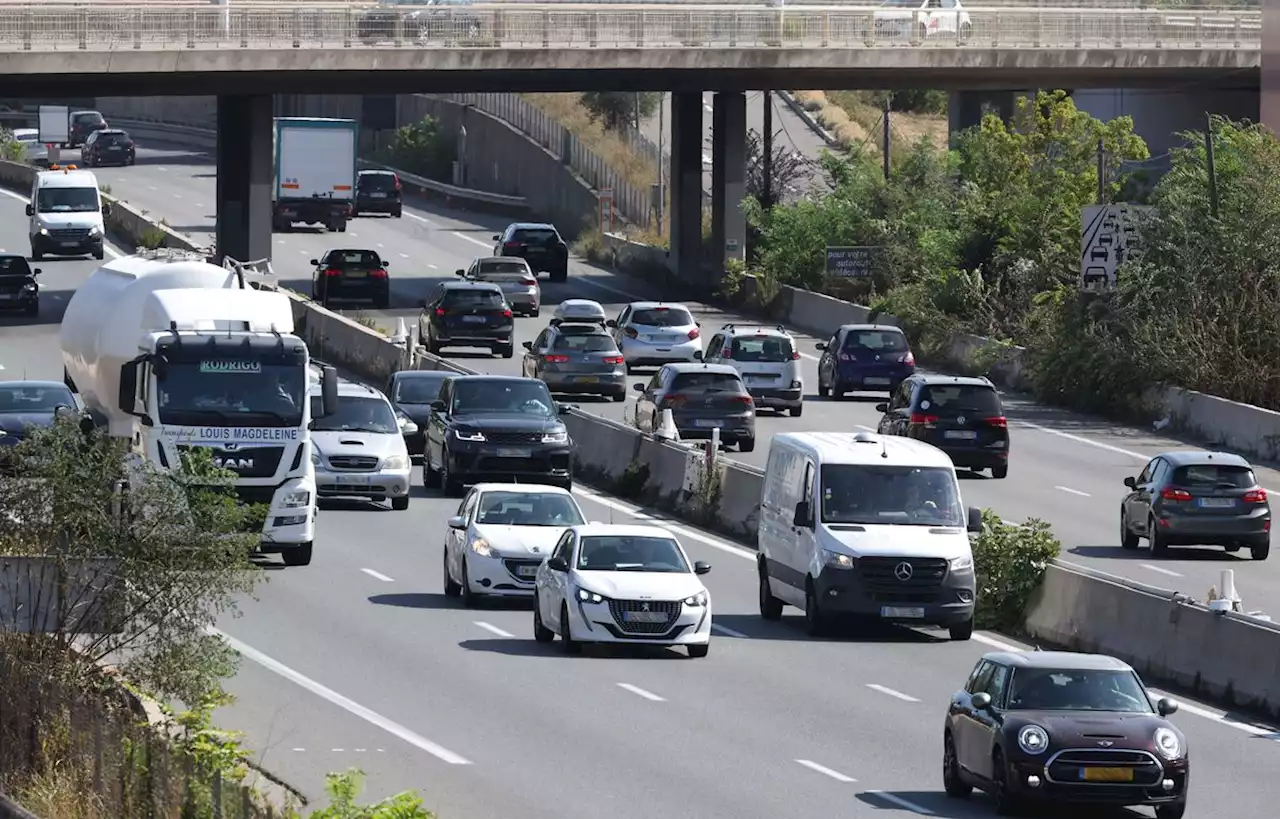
column 864, row 358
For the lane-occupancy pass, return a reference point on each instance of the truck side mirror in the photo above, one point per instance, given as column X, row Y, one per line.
column 329, row 389
column 127, row 400
column 31, row 211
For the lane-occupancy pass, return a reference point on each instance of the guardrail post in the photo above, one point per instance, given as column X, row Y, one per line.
column 1079, row 21
column 83, row 25
column 191, row 29
column 826, row 28
column 733, row 34
column 1236, row 32
column 868, row 25
column 1039, row 30
column 995, row 31
column 297, row 28
column 593, row 30
column 640, row 21
column 244, row 27
column 1117, row 30
column 1199, row 30
column 348, row 20
column 27, row 25
column 499, row 27
column 397, row 29
column 137, row 28
column 546, row 29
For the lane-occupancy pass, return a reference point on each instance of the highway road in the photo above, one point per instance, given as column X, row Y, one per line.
column 358, row 660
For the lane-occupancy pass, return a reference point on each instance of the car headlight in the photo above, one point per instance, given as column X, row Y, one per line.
column 317, row 459
column 95, row 231
column 1033, row 739
column 962, row 564
column 464, row 435
column 836, row 560
column 481, row 547
column 699, row 599
column 28, row 288
column 44, row 231
column 590, row 596
column 296, row 500
column 555, row 438
column 1168, row 744
column 396, row 462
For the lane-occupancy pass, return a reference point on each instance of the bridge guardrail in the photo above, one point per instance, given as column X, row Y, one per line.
column 611, row 26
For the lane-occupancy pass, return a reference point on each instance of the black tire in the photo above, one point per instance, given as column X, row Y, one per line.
column 1006, row 804
column 823, row 392
column 540, row 632
column 448, row 484
column 451, row 589
column 746, row 445
column 961, row 631
column 397, row 213
column 470, row 599
column 400, row 504
column 36, row 255
column 770, row 606
column 383, row 303
column 430, row 477
column 508, row 351
column 796, row 410
column 100, row 254
column 567, row 644
column 815, row 622
column 1260, row 551
column 33, row 309
column 297, row 555
column 1000, row 472
column 561, row 275
column 1159, row 546
column 952, row 784
column 342, row 226
column 699, row 651
column 1128, row 540
column 619, row 397
column 1171, row 810
column 355, row 214
column 838, row 391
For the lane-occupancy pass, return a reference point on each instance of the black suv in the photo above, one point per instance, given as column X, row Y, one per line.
column 467, row 314
column 538, row 244
column 358, row 275
column 961, row 416
column 109, row 146
column 496, row 428
column 18, row 287
column 378, row 192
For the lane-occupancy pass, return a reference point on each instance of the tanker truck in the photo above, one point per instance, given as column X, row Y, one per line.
column 174, row 353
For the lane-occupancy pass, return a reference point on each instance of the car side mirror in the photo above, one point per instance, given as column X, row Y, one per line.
column 981, row 700
column 804, row 515
column 437, row 406
column 1166, row 706
column 701, row 567
column 460, row 272
column 638, row 387
column 496, row 237
column 563, row 408
column 557, row 564
column 528, row 345
column 882, row 407
column 385, row 263
column 1131, row 483
column 611, row 323
column 697, row 356
column 315, row 262
column 35, row 272
column 457, row 522
column 423, row 304
column 408, row 427
column 975, row 520
column 31, row 211
column 821, row 345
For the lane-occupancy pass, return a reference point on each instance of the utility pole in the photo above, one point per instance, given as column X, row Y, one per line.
column 662, row 160
column 766, row 150
column 1102, row 173
column 1213, row 168
column 884, row 146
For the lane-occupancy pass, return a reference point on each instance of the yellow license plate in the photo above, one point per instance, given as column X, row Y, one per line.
column 1106, row 774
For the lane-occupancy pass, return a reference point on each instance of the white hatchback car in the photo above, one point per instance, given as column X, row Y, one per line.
column 501, row 535
column 652, row 333
column 768, row 361
column 606, row 583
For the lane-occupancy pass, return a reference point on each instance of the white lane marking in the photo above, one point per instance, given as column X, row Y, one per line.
column 349, row 705
column 902, row 803
column 1073, row 491
column 892, row 692
column 736, row 551
column 377, row 575
column 177, row 196
column 492, row 629
column 351, row 233
column 728, row 632
column 825, row 771
column 472, row 239
column 1257, row 729
column 416, row 216
column 337, row 750
column 299, row 750
column 1161, row 570
column 998, row 645
column 1, row 366
column 640, row 692
column 404, row 255
column 433, row 267
column 302, row 252
column 380, row 244
column 151, row 187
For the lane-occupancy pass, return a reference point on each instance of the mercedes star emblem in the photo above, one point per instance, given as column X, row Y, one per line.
column 1105, row 743
column 960, row 420
column 534, row 550
column 903, row 571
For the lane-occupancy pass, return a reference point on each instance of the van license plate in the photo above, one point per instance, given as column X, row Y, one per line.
column 876, row 382
column 353, row 480
column 961, row 434
column 70, row 244
column 897, row 613
column 377, row 196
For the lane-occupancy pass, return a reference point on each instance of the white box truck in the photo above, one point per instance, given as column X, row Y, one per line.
column 315, row 172
column 173, row 353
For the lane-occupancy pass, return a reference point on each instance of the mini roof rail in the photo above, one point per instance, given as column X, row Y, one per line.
column 736, row 325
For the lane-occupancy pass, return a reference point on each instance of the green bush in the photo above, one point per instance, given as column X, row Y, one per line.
column 424, row 148
column 1010, row 562
column 343, row 790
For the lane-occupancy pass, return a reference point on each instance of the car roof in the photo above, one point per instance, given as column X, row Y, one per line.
column 108, row 131
column 653, row 305
column 503, row 259
column 406, row 375
column 12, row 256
column 356, row 389
column 540, row 488
column 578, row 327
column 352, row 250
column 1064, row 660
column 66, row 178
column 621, row 530
column 44, row 385
column 371, row 171
column 531, row 226
column 884, row 328
column 498, row 378
column 696, row 367
column 486, row 286
column 934, row 379
column 1203, row 457
column 864, row 448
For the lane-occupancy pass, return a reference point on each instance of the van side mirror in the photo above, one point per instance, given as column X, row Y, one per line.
column 127, row 400
column 821, row 345
column 804, row 515
column 638, row 387
column 701, row 567
column 35, row 272
column 496, row 237
column 975, row 520
column 1131, row 483
column 31, row 211
column 981, row 700
column 882, row 407
column 557, row 564
column 563, row 408
column 329, row 390
column 460, row 272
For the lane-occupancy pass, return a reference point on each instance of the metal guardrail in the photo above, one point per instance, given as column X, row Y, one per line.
column 609, row 26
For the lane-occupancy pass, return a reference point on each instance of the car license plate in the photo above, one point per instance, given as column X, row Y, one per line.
column 528, row 571
column 1106, row 774
column 377, row 196
column 70, row 244
column 6, row 296
column 514, row 453
column 473, row 319
column 760, row 377
column 703, row 422
column 353, row 480
column 586, row 379
column 356, row 274
column 1217, row 503
column 876, row 382
column 961, row 434
column 644, row 617
column 898, row 613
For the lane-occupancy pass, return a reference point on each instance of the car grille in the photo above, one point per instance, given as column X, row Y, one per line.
column 354, row 463
column 10, row 289
column 880, row 574
column 69, row 234
column 618, row 609
column 514, row 437
column 513, row 566
column 1064, row 767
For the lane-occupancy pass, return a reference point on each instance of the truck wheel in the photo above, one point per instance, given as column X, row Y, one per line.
column 297, row 556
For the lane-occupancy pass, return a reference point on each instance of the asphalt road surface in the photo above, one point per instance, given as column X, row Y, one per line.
column 359, row 660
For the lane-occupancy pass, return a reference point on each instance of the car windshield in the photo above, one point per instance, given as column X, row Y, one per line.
column 359, row 259
column 504, row 266
column 599, row 343
column 232, row 392
column 918, row 496
column 1214, row 476
column 419, row 389
column 68, row 200
column 761, row 349
column 535, row 236
column 528, row 509
column 16, row 398
column 526, row 397
column 466, row 299
column 377, row 182
column 1053, row 689
column 707, row 382
column 628, row 553
column 357, row 413
column 961, row 399
column 14, row 266
column 113, row 139
column 662, row 317
column 875, row 341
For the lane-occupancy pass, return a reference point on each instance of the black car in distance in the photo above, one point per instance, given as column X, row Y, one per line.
column 962, row 416
column 467, row 314
column 25, row 405
column 496, row 428
column 1042, row 728
column 83, row 123
column 19, row 289
column 412, row 392
column 538, row 244
column 378, row 192
column 108, row 146
column 352, row 275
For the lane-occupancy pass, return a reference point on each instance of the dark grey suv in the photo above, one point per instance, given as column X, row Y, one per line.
column 701, row 397
column 577, row 359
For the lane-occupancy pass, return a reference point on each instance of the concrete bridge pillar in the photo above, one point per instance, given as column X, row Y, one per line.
column 728, row 179
column 245, row 159
column 686, row 186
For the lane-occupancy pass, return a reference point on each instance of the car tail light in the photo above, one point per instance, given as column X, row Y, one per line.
column 439, row 311
column 693, row 333
column 556, row 359
column 742, row 399
column 674, row 400
column 506, row 313
column 378, row 274
column 332, row 271
column 614, row 359
column 921, row 418
column 660, row 309
column 631, row 332
column 1255, row 496
column 528, row 281
column 397, row 181
column 1176, row 495
column 997, row 421
column 909, row 359
column 511, row 246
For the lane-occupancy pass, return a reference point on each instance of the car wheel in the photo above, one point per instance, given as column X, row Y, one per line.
column 1159, row 546
column 540, row 632
column 815, row 622
column 297, row 555
column 619, row 397
column 1006, row 804
column 699, row 651
column 355, row 214
column 451, row 589
column 397, row 213
column 746, row 445
column 567, row 644
column 1171, row 810
column 400, row 504
column 430, row 477
column 448, row 484
column 33, row 309
column 508, row 351
column 1259, row 551
column 561, row 275
column 36, row 255
column 796, row 410
column 469, row 598
column 823, row 389
column 837, row 390
column 383, row 303
column 770, row 606
column 961, row 631
column 954, row 786
column 1128, row 540
column 1000, row 472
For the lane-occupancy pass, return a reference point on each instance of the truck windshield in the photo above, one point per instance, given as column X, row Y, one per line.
column 232, row 392
column 68, row 200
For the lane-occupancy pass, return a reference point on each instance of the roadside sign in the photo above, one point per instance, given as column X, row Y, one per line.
column 1108, row 238
column 54, row 124
column 605, row 201
column 851, row 262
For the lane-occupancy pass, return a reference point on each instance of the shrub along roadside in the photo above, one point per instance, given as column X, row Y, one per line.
column 1010, row 562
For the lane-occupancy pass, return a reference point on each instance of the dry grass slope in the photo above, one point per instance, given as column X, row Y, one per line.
column 569, row 112
column 853, row 118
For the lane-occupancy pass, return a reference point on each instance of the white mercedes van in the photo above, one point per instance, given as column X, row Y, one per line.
column 65, row 214
column 865, row 525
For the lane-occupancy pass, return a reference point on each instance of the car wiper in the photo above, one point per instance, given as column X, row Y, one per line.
column 630, row 567
column 371, row 430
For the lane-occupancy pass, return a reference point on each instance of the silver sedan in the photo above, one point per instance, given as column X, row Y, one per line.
column 519, row 284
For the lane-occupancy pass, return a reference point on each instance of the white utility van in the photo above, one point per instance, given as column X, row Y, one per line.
column 65, row 214
column 865, row 525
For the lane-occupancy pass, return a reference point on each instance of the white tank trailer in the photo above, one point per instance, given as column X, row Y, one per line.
column 172, row 352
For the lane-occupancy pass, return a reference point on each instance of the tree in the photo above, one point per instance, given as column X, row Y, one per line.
column 789, row 172
column 119, row 560
column 423, row 148
column 616, row 110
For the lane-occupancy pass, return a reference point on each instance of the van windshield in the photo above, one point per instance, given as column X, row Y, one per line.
column 67, row 200
column 917, row 496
